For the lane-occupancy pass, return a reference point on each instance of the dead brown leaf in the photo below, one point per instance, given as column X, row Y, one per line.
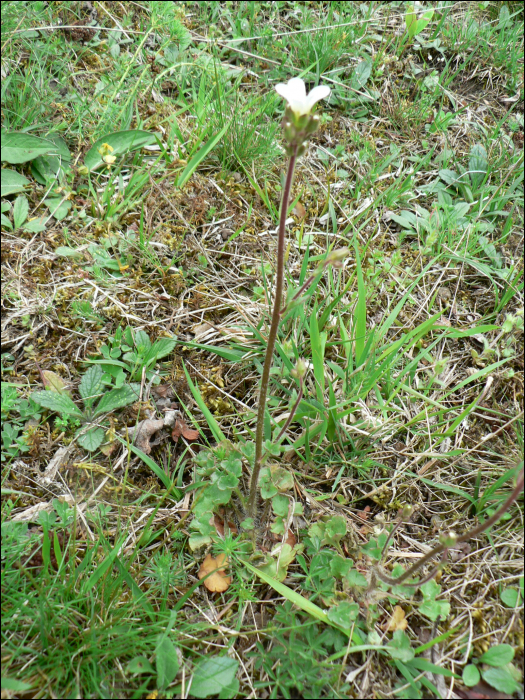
column 144, row 431
column 163, row 391
column 218, row 581
column 182, row 428
column 219, row 525
column 299, row 210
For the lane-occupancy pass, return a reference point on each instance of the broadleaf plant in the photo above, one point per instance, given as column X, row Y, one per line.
column 90, row 388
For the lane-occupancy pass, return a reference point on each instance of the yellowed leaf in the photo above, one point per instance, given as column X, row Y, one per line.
column 218, row 582
column 54, row 382
column 398, row 620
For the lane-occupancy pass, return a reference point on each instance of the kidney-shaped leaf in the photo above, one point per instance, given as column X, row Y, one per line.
column 120, row 142
column 19, row 148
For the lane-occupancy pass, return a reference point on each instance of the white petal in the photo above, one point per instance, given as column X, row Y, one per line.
column 318, row 93
column 294, row 92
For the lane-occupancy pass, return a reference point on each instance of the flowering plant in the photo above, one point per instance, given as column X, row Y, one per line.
column 299, row 124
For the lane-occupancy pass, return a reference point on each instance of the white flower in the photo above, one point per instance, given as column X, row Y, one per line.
column 294, row 92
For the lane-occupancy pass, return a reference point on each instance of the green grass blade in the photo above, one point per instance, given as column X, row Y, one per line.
column 212, row 423
column 360, row 313
column 295, row 598
column 199, row 157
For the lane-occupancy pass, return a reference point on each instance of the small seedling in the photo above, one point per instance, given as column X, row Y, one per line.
column 129, row 354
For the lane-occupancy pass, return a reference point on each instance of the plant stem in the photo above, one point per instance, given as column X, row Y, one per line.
column 462, row 538
column 279, row 284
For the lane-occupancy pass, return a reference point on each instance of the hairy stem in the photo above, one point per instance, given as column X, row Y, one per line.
column 279, row 284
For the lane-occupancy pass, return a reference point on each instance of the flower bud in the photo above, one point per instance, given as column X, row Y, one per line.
column 448, row 539
column 406, row 512
column 313, row 124
column 338, row 255
column 300, row 369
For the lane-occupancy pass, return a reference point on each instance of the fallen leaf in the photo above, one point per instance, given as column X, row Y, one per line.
column 181, row 428
column 299, row 210
column 363, row 514
column 163, row 391
column 218, row 581
column 219, row 525
column 291, row 539
column 201, row 329
column 398, row 620
column 144, row 431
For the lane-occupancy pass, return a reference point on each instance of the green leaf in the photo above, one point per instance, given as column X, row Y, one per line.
column 435, row 609
column 291, row 595
column 116, row 398
column 167, row 662
column 142, row 342
column 139, row 664
column 336, row 528
column 411, row 21
column 318, row 343
column 160, row 348
column 120, row 142
column 35, row 225
column 356, row 578
column 91, row 440
column 500, row 655
column 230, row 691
column 58, row 207
column 153, row 466
column 510, row 597
column 501, row 679
column 424, row 665
column 399, row 647
column 211, row 676
column 432, row 608
column 450, row 177
column 104, row 566
column 478, row 165
column 13, row 684
column 471, row 676
column 46, row 168
column 344, row 614
column 424, row 20
column 12, row 182
column 281, row 478
column 20, row 211
column 60, row 403
column 280, row 505
column 18, row 147
column 361, row 74
column 6, row 223
column 91, row 383
column 266, row 487
column 68, row 252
